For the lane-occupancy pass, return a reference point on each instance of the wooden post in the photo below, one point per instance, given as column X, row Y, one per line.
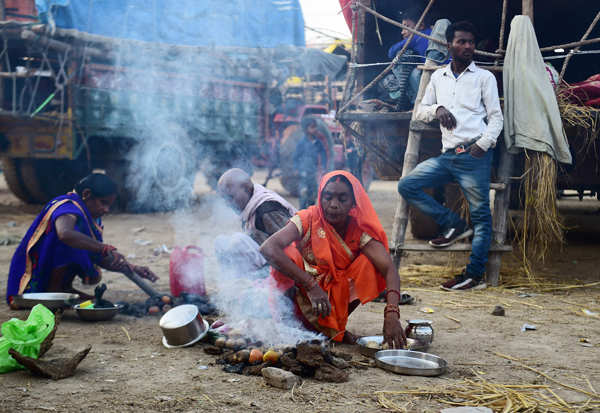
column 500, row 218
column 527, row 9
column 411, row 156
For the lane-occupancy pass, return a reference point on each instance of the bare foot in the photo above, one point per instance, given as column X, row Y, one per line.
column 349, row 338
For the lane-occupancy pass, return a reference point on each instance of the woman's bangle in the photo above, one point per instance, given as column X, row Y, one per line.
column 106, row 249
column 393, row 291
column 391, row 309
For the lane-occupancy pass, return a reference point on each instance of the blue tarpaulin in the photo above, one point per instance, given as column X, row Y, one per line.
column 242, row 23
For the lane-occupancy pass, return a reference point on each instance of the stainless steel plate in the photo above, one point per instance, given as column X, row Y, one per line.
column 413, row 363
column 370, row 345
column 50, row 300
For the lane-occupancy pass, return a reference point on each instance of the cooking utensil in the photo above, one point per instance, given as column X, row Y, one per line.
column 139, row 281
column 369, row 345
column 182, row 326
column 420, row 330
column 412, row 363
column 97, row 314
column 50, row 300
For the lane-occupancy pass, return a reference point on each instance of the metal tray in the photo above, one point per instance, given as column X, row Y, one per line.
column 97, row 314
column 365, row 350
column 50, row 300
column 412, row 363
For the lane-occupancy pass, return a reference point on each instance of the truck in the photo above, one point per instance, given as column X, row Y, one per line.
column 149, row 93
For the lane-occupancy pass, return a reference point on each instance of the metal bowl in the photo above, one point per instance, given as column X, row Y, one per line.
column 97, row 314
column 182, row 326
column 369, row 345
column 49, row 300
column 412, row 363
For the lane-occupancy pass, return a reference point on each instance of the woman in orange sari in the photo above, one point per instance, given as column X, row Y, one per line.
column 334, row 256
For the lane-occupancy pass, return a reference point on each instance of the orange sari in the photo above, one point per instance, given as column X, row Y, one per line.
column 337, row 264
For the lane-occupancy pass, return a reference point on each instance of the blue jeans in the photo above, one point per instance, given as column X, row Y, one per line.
column 473, row 176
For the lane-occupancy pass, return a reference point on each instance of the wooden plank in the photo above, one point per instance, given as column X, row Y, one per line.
column 425, row 247
column 419, row 126
column 374, row 116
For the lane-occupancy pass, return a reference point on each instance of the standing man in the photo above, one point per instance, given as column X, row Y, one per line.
column 462, row 97
column 310, row 160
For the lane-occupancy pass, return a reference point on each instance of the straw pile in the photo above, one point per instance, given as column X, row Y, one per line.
column 584, row 118
column 506, row 398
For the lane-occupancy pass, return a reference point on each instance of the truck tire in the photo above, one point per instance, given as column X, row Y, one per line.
column 290, row 138
column 44, row 179
column 12, row 175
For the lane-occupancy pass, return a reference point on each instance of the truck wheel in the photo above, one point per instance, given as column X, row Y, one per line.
column 160, row 176
column 45, row 179
column 14, row 180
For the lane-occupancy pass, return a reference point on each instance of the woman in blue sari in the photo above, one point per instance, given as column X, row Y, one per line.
column 65, row 240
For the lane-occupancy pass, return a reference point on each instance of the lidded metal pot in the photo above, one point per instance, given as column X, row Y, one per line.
column 420, row 330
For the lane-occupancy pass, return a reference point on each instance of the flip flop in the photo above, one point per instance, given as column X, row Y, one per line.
column 405, row 298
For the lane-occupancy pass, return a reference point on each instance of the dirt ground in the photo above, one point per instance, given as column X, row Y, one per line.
column 129, row 370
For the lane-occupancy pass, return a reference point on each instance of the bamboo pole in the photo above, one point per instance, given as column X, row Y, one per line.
column 351, row 69
column 570, row 45
column 502, row 28
column 389, row 68
column 411, row 156
column 500, row 216
column 527, row 9
column 570, row 55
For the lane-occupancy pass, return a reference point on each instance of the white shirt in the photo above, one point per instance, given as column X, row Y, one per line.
column 471, row 98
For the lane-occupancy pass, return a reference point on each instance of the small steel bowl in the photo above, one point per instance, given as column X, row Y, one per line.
column 97, row 314
column 182, row 326
column 369, row 345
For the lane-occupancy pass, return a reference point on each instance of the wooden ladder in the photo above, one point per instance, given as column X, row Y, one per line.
column 501, row 199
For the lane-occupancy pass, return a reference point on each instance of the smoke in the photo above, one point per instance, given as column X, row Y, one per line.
column 236, row 281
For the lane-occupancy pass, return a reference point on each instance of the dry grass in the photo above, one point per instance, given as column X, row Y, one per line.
column 542, row 230
column 505, row 398
column 584, row 118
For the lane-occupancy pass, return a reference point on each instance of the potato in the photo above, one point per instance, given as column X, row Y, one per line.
column 153, row 310
column 166, row 308
column 256, row 356
column 165, row 299
column 220, row 342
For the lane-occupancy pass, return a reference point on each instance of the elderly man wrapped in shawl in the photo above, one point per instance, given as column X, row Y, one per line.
column 65, row 240
column 263, row 213
column 333, row 256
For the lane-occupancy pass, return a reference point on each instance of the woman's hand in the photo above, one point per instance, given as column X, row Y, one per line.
column 319, row 300
column 144, row 272
column 393, row 333
column 116, row 261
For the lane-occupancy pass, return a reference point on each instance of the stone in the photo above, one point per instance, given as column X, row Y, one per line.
column 279, row 378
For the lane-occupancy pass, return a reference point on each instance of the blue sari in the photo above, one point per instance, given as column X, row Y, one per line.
column 40, row 251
